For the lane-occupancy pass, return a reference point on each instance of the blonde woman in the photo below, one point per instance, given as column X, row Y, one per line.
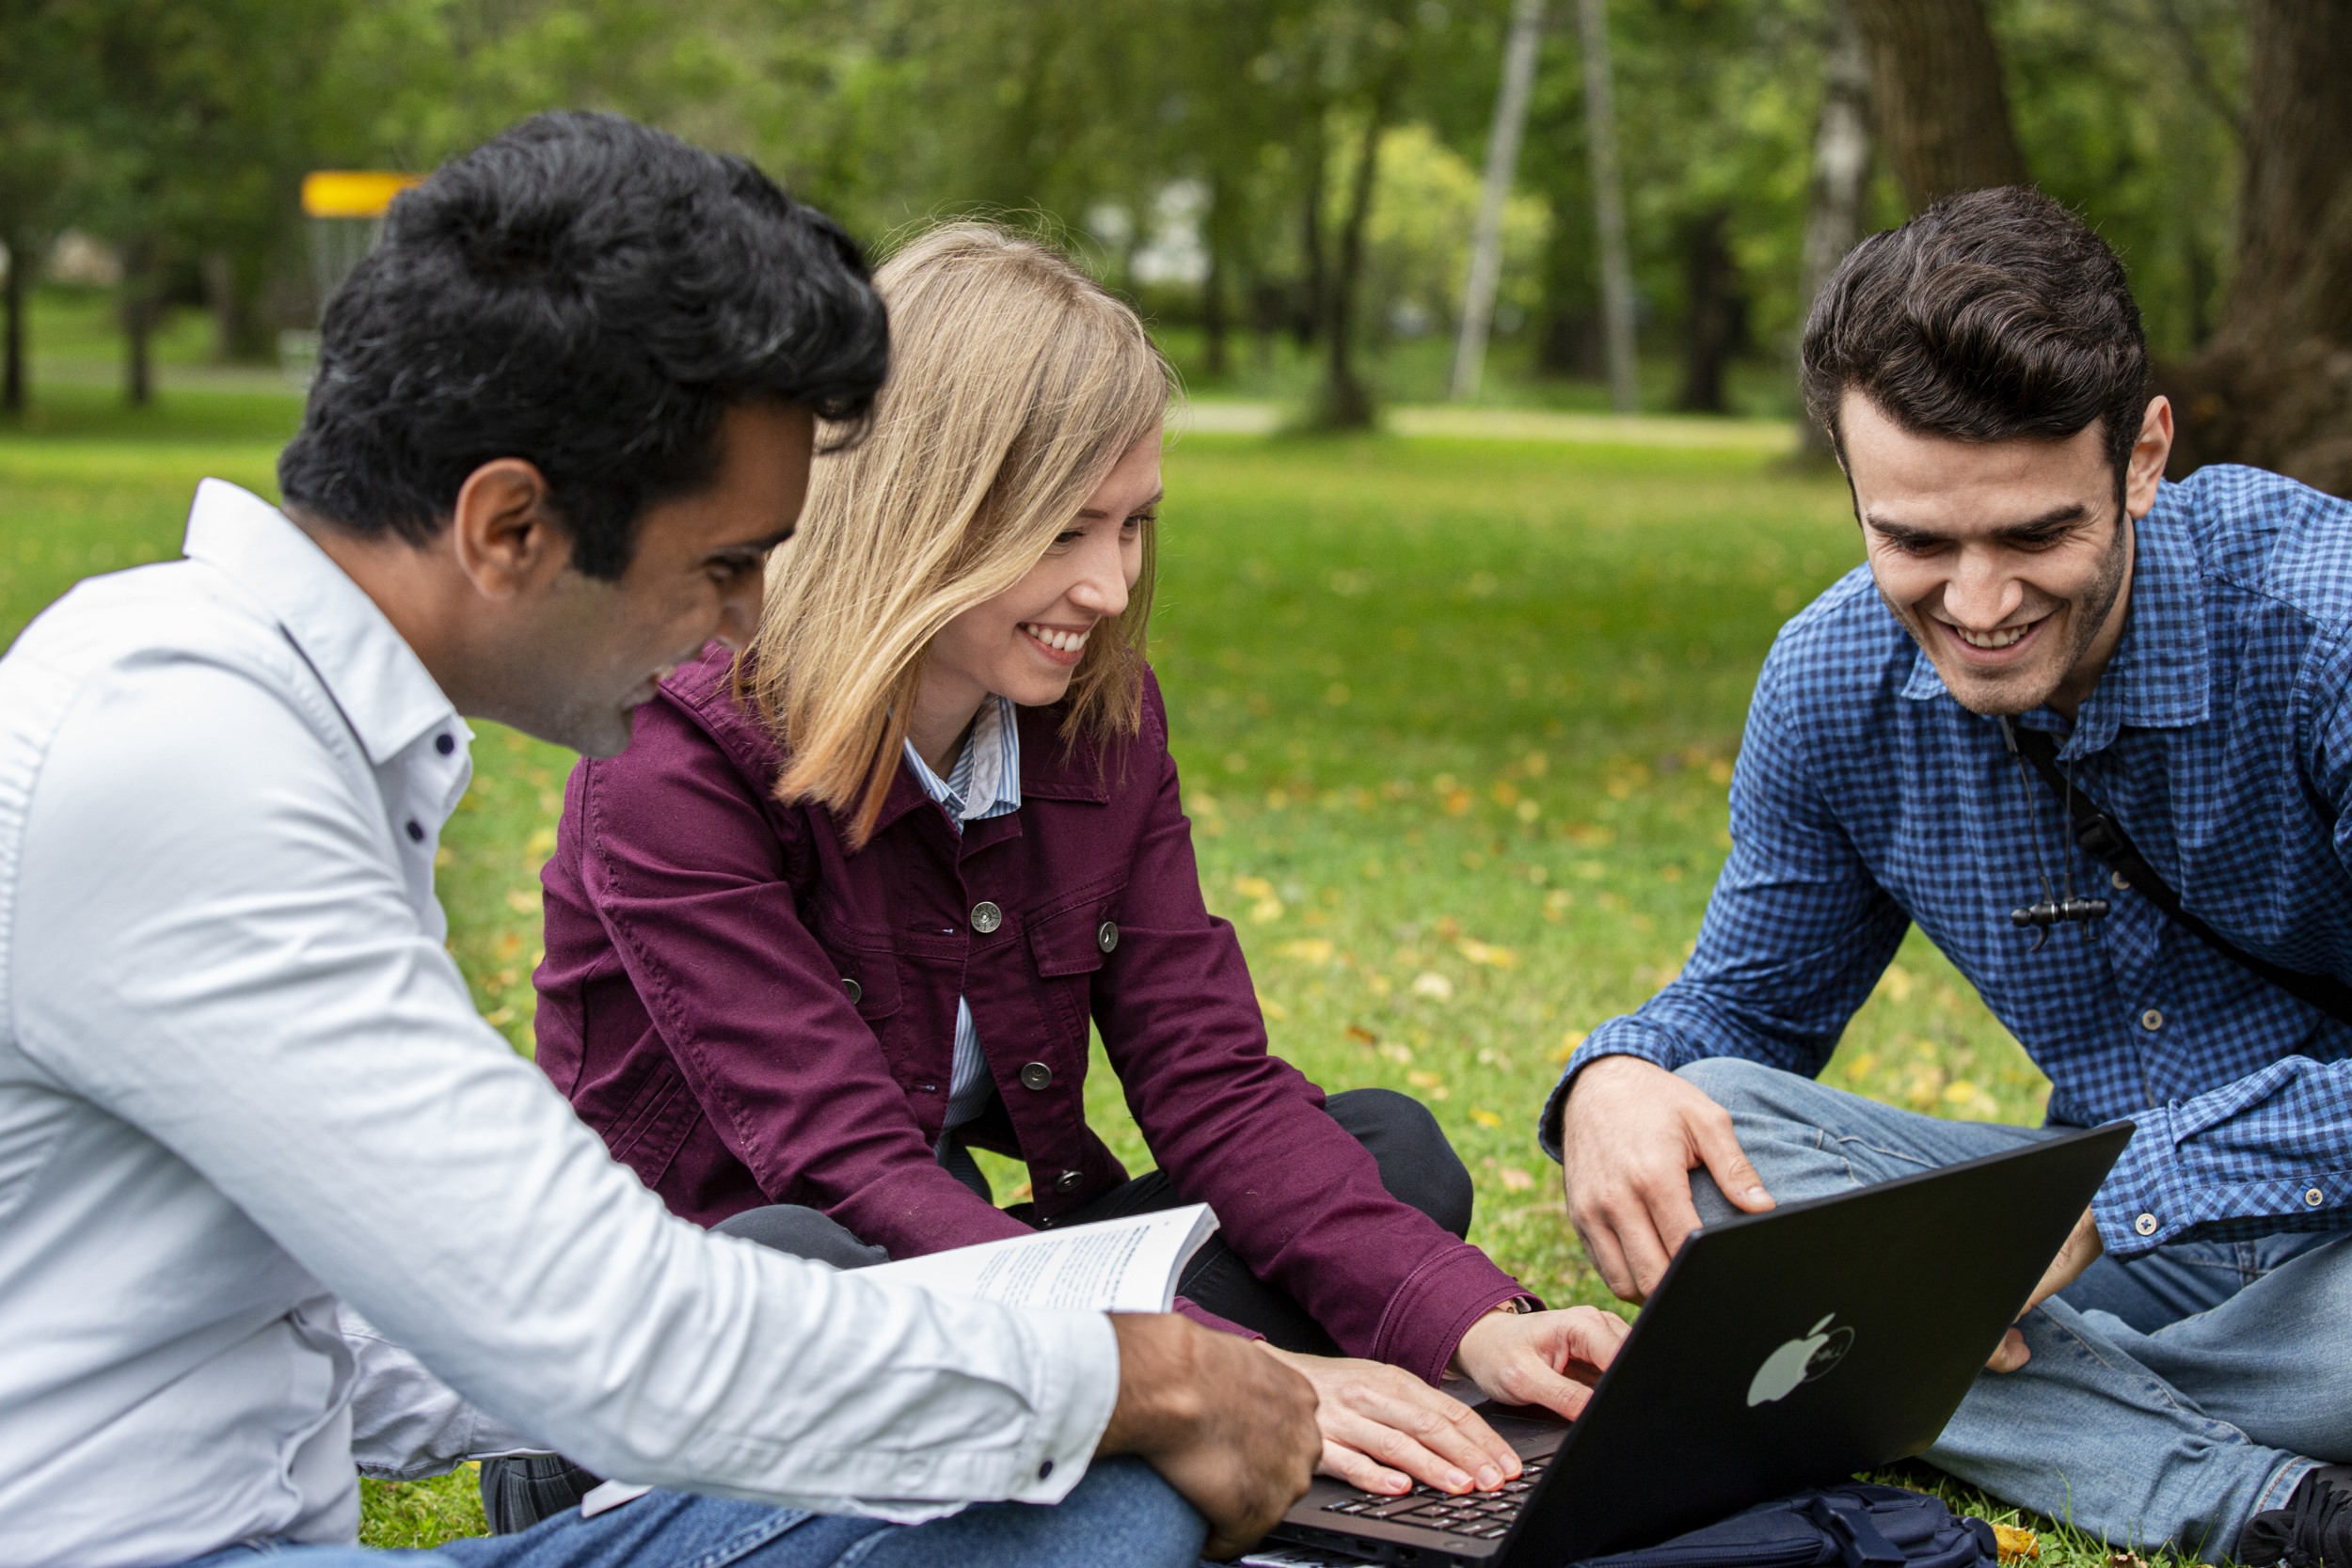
column 845, row 910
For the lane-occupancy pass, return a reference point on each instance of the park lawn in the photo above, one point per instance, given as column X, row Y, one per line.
column 1457, row 719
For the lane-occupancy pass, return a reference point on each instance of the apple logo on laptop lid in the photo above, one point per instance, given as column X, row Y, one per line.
column 1800, row 1360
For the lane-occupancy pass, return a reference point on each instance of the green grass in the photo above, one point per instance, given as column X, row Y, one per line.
column 1456, row 718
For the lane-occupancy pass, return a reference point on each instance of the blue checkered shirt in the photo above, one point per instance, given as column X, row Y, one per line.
column 1866, row 799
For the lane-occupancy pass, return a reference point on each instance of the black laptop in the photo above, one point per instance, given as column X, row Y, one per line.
column 1782, row 1351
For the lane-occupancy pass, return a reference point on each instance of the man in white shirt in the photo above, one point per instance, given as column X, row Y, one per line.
column 273, row 1199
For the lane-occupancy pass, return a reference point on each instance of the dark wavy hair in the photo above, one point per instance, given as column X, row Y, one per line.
column 591, row 295
column 1993, row 315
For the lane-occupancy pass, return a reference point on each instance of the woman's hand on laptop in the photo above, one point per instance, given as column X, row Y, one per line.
column 1551, row 1359
column 1384, row 1428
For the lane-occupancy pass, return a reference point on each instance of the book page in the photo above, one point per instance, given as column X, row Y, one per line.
column 1125, row 1265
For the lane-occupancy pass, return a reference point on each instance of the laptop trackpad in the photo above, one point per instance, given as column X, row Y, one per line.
column 1532, row 1432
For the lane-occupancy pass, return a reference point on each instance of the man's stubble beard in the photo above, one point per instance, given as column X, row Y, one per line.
column 2087, row 616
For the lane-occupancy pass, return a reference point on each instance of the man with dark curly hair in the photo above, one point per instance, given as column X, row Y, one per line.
column 274, row 1200
column 2091, row 733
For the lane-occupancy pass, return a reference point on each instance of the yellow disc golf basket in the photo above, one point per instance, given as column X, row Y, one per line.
column 346, row 211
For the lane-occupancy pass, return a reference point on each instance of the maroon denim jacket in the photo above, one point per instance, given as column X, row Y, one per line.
column 750, row 1013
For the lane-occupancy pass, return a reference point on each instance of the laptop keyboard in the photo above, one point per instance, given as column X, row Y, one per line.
column 1480, row 1515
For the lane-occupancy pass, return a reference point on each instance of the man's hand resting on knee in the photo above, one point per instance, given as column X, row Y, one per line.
column 2081, row 1249
column 1229, row 1426
column 1630, row 1134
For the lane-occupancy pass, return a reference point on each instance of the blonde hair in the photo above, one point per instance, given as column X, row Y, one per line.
column 1016, row 384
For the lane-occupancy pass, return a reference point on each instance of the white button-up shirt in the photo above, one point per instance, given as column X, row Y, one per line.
column 243, row 1092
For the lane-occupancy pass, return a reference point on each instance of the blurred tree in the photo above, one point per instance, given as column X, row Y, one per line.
column 37, row 87
column 1716, row 316
column 1503, row 158
column 1368, row 51
column 2274, row 387
column 198, row 121
column 1942, row 108
column 1841, row 167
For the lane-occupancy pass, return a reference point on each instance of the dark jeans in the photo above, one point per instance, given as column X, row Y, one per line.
column 1416, row 1166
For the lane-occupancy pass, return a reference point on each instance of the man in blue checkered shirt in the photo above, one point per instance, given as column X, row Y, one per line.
column 2185, row 1374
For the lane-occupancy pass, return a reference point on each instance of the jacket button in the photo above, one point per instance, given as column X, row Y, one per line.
column 2145, row 1225
column 1107, row 936
column 1037, row 1075
column 2152, row 1020
column 2313, row 1197
column 857, row 992
column 986, row 917
column 2122, row 882
column 1069, row 1181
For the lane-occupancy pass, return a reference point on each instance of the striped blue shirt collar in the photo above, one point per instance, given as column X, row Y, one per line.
column 2159, row 676
column 984, row 781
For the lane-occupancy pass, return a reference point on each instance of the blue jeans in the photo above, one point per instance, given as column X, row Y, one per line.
column 2170, row 1398
column 1122, row 1513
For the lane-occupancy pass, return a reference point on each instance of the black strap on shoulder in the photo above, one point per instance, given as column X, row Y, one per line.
column 2097, row 832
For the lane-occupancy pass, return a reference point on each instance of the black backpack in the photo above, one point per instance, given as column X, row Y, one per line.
column 1856, row 1526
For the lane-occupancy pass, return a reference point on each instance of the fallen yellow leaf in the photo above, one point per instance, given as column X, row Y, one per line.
column 1486, row 953
column 542, row 844
column 1515, row 1179
column 1358, row 1033
column 1422, row 1077
column 1272, row 1009
column 2017, row 1545
column 1433, row 985
column 523, row 900
column 1313, row 950
column 1253, row 887
column 1568, row 1042
column 1484, row 1117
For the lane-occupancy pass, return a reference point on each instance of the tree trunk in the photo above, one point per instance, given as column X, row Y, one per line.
column 1503, row 158
column 138, row 323
column 1942, row 112
column 1347, row 401
column 2274, row 386
column 1215, row 318
column 1309, row 319
column 1714, row 317
column 1616, row 271
column 1841, row 167
column 12, row 375
column 1215, row 327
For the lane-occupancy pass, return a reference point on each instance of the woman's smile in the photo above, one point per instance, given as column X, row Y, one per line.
column 1062, row 644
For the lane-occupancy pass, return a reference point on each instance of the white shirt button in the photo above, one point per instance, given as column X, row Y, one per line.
column 2152, row 1020
column 2145, row 1225
column 2120, row 883
column 2313, row 1197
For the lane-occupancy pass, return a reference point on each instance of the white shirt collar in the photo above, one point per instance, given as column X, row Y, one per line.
column 382, row 686
column 985, row 780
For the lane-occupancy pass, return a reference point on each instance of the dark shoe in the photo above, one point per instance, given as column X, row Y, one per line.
column 519, row 1492
column 2313, row 1530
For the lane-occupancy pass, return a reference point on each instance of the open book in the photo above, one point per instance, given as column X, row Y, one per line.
column 1129, row 1265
